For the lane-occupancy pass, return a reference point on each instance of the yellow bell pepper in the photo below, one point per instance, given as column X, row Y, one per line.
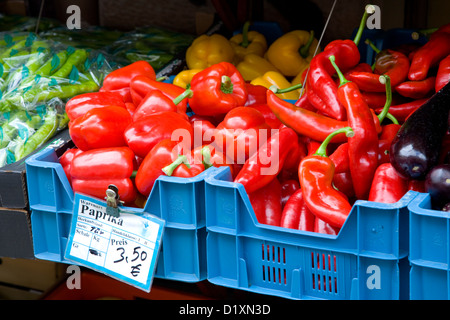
column 292, row 51
column 248, row 42
column 206, row 50
column 276, row 78
column 254, row 66
column 183, row 78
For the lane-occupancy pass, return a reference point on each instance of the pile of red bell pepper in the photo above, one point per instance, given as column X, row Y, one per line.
column 303, row 165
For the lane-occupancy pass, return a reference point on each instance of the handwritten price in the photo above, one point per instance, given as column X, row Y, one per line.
column 138, row 255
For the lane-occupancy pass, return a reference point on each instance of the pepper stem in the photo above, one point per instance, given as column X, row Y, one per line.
column 338, row 71
column 322, row 150
column 385, row 79
column 188, row 93
column 392, row 118
column 227, row 85
column 206, row 156
column 304, row 50
column 369, row 9
column 168, row 170
column 245, row 42
column 372, row 45
column 277, row 90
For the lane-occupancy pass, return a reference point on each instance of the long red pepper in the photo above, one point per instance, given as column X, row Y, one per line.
column 387, row 185
column 417, row 89
column 266, row 203
column 316, row 175
column 443, row 73
column 363, row 147
column 402, row 111
column 296, row 214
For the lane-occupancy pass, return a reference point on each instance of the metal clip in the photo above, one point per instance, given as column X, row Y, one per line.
column 112, row 201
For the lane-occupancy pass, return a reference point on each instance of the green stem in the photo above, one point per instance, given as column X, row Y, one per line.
column 338, row 71
column 188, row 93
column 392, row 118
column 245, row 42
column 369, row 9
column 168, row 170
column 304, row 50
column 277, row 90
column 372, row 45
column 206, row 156
column 385, row 79
column 322, row 150
column 227, row 85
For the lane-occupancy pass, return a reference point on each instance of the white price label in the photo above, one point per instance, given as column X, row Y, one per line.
column 124, row 247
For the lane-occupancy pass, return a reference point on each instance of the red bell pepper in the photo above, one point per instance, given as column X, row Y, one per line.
column 216, row 90
column 256, row 94
column 241, row 133
column 316, row 174
column 142, row 135
column 417, row 89
column 154, row 102
column 94, row 170
column 121, row 78
column 204, row 130
column 430, row 54
column 164, row 153
column 288, row 188
column 363, row 146
column 264, row 165
column 387, row 185
column 82, row 103
column 182, row 168
column 66, row 161
column 209, row 156
column 100, row 128
column 296, row 214
column 443, row 73
column 269, row 116
column 141, row 85
column 266, row 203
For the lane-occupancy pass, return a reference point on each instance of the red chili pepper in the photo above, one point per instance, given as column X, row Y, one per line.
column 416, row 185
column 363, row 146
column 241, row 133
column 256, row 94
column 417, row 89
column 216, row 90
column 402, row 111
column 388, row 62
column 141, row 85
column 429, row 55
column 377, row 100
column 269, row 116
column 100, row 128
column 80, row 104
column 121, row 78
column 264, row 165
column 304, row 122
column 288, row 188
column 342, row 181
column 321, row 226
column 266, row 203
column 443, row 73
column 94, row 170
column 387, row 185
column 154, row 102
column 296, row 214
column 142, row 135
column 303, row 102
column 340, row 158
column 66, row 161
column 316, row 174
column 161, row 155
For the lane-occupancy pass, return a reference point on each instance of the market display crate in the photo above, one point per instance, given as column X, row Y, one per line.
column 429, row 250
column 178, row 201
column 368, row 259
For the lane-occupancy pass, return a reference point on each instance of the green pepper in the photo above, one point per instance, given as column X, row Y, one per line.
column 75, row 59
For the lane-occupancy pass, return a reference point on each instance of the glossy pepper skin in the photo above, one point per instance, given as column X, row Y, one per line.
column 66, row 161
column 264, row 165
column 275, row 78
column 292, row 52
column 142, row 135
column 417, row 89
column 183, row 78
column 206, row 51
column 217, row 90
column 256, row 94
column 80, row 104
column 296, row 214
column 100, row 128
column 253, row 66
column 121, row 78
column 363, row 146
column 94, row 170
column 268, row 115
column 387, row 185
column 155, row 101
column 316, row 174
column 288, row 188
column 430, row 54
column 443, row 73
column 266, row 203
column 248, row 42
column 402, row 111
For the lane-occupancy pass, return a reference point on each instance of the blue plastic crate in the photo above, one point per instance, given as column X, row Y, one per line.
column 370, row 250
column 179, row 201
column 429, row 250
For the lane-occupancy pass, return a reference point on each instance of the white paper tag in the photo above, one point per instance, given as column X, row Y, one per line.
column 125, row 248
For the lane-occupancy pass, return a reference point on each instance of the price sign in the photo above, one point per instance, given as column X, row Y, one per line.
column 125, row 247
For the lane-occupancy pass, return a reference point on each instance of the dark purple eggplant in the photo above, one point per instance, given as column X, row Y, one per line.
column 437, row 184
column 417, row 145
column 446, row 207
